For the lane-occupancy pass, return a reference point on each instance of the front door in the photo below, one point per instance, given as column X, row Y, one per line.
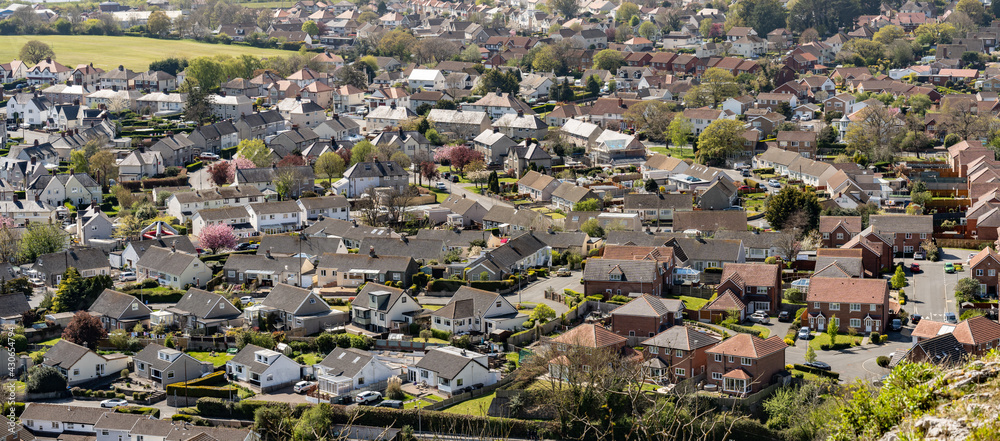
column 868, row 324
column 821, row 323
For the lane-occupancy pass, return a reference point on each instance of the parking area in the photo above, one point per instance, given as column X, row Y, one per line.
column 931, row 292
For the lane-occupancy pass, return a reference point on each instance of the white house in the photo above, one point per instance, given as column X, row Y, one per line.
column 46, row 419
column 348, row 369
column 231, row 106
column 427, row 79
column 33, row 109
column 336, row 207
column 275, row 217
column 80, row 364
column 54, row 189
column 476, row 310
column 363, row 176
column 381, row 308
column 264, row 369
column 450, row 369
column 138, row 165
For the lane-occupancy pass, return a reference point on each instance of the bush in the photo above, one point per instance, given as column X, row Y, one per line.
column 439, row 334
column 820, row 372
column 876, row 338
column 596, row 298
column 789, row 341
column 42, row 379
column 490, row 285
column 882, row 361
column 445, row 285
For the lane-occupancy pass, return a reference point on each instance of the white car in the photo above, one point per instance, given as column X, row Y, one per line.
column 774, row 183
column 114, row 402
column 209, row 157
column 127, row 276
column 246, row 300
column 367, row 397
column 441, row 186
column 303, row 386
column 760, row 317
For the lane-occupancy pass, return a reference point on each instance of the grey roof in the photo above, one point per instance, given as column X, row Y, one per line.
column 754, row 239
column 453, row 238
column 174, row 142
column 42, row 181
column 62, row 412
column 13, row 305
column 150, row 355
column 218, row 193
column 166, row 261
column 217, row 130
column 562, row 240
column 274, row 207
column 380, row 263
column 204, row 304
column 710, row 220
column 345, row 229
column 180, row 243
column 292, row 299
column 324, row 202
column 467, row 302
column 643, row 271
column 572, row 192
column 649, row 306
column 64, row 354
column 675, row 201
column 446, row 364
column 222, row 213
column 116, row 305
column 639, row 238
column 720, row 250
column 246, row 357
column 118, row 421
column 681, row 337
column 291, row 245
column 260, row 262
column 944, row 348
column 521, row 217
column 852, row 266
column 516, row 249
column 423, row 249
column 269, row 174
column 262, row 118
column 376, row 169
column 459, row 204
column 901, row 223
column 363, row 299
column 346, row 362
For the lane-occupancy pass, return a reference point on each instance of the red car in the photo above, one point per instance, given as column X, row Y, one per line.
column 914, row 268
column 744, row 189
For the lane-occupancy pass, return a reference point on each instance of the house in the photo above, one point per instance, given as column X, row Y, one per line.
column 48, row 71
column 270, row 270
column 476, row 310
column 230, row 107
column 538, row 186
column 295, row 309
column 463, row 123
column 497, row 104
column 80, row 365
column 116, row 310
column 657, row 207
column 338, row 128
column 567, row 195
column 801, row 142
column 512, row 219
column 905, row 232
column 978, row 335
column 758, row 246
column 345, row 370
column 79, row 189
column 43, row 419
column 275, row 217
column 381, row 308
column 236, row 217
column 14, row 305
column 700, row 253
column 451, row 370
column 678, row 353
column 521, row 157
column 622, row 277
column 757, row 285
column 520, row 126
column 214, row 138
column 136, row 248
column 335, row 207
column 410, row 142
column 582, row 342
column 580, row 133
column 260, row 125
column 744, row 364
column 383, row 117
column 493, row 145
column 520, row 253
column 266, row 178
column 363, row 176
column 720, row 195
column 265, row 369
column 32, row 109
column 164, row 366
column 876, row 251
column 983, row 269
column 421, row 250
column 468, row 210
column 848, row 303
column 140, row 165
column 303, row 112
column 89, row 262
column 645, row 316
column 701, row 118
column 426, row 79
column 173, row 268
column 838, row 230
column 205, row 311
column 352, row 270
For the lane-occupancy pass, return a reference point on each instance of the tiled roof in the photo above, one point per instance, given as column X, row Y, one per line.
column 746, row 345
column 591, row 336
column 681, row 337
column 753, row 274
column 827, row 289
column 977, row 330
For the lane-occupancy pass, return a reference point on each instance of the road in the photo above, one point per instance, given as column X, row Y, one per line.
column 200, row 180
column 535, row 293
column 852, row 363
column 932, row 292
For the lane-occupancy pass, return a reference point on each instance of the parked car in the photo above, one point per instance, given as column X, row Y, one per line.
column 914, row 268
column 127, row 276
column 246, row 300
column 441, row 186
column 303, row 386
column 208, row 157
column 919, row 255
column 454, row 179
column 114, row 402
column 804, row 333
column 949, row 268
column 774, row 183
column 746, row 173
column 744, row 188
column 242, row 247
column 915, row 318
column 896, row 324
column 760, row 317
column 950, row 317
column 969, row 260
column 784, row 316
column 818, row 365
column 368, row 397
column 806, row 117
column 395, row 404
column 564, row 272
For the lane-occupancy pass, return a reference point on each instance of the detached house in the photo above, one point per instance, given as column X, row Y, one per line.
column 264, row 369
column 537, row 185
column 345, row 370
column 351, row 270
column 79, row 364
column 905, row 232
column 164, row 366
column 476, row 310
column 848, row 303
column 678, row 353
column 203, row 310
column 117, row 310
column 745, row 364
column 381, row 308
column 646, row 316
column 295, row 309
column 173, row 268
column 80, row 189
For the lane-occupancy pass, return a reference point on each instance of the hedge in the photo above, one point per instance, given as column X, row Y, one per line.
column 207, row 386
column 245, row 409
column 445, row 285
column 820, row 372
column 151, row 183
column 490, row 285
column 195, row 166
column 139, row 410
column 228, row 153
column 745, row 330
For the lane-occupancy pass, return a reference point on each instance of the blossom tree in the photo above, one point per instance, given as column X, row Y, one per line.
column 224, row 172
column 458, row 156
column 217, row 236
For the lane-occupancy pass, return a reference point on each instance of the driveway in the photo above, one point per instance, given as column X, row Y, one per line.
column 165, row 411
column 932, row 292
column 535, row 293
column 285, row 395
column 200, row 179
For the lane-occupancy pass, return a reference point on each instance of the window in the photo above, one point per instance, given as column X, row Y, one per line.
column 840, row 236
column 855, row 323
column 631, row 333
column 460, row 381
column 654, row 350
column 855, row 307
column 992, row 272
column 76, row 372
column 826, row 235
column 679, row 372
column 170, row 374
column 718, row 358
column 871, row 307
column 835, row 306
column 979, row 272
column 716, row 375
column 730, row 358
column 761, row 290
column 909, row 235
column 678, row 353
column 815, row 305
column 745, row 361
column 615, row 276
column 923, row 235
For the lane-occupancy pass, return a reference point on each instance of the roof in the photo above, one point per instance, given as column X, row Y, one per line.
column 375, row 169
column 386, row 295
column 426, row 249
column 721, row 250
column 648, row 306
column 535, row 180
column 114, row 304
column 642, row 271
column 62, row 412
column 977, row 330
column 247, row 357
column 749, row 346
column 753, row 274
column 829, row 289
column 118, row 421
column 288, row 298
column 572, row 192
column 64, row 354
column 714, row 220
column 930, row 328
column 79, row 258
column 272, row 207
column 685, row 338
column 943, row 348
column 850, row 223
column 725, row 302
column 447, row 362
column 649, row 201
column 13, row 305
column 346, row 362
column 380, row 263
column 901, row 223
column 467, row 302
column 204, row 304
column 591, row 336
column 167, row 261
column 181, row 243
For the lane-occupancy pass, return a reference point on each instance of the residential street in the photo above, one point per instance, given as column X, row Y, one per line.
column 932, row 291
column 535, row 293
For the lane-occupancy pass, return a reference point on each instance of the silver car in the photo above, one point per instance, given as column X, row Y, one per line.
column 804, row 333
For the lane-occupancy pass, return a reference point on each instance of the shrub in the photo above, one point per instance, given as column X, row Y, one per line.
column 876, row 338
column 882, row 361
column 596, row 298
column 789, row 341
column 820, row 372
column 43, row 379
column 394, row 391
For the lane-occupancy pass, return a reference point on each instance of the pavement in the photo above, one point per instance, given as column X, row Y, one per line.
column 200, row 179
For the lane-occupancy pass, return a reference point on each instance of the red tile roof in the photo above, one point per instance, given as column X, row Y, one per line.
column 829, row 289
column 977, row 330
column 591, row 336
column 746, row 345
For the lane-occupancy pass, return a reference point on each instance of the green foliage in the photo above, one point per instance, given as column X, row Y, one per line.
column 720, row 139
column 39, row 239
column 542, row 313
column 609, row 59
column 762, row 15
column 966, row 289
column 794, row 295
column 791, row 208
column 255, row 151
column 810, row 354
column 494, row 79
column 587, row 205
column 592, row 227
column 867, row 415
column 76, row 293
column 42, row 379
column 899, row 278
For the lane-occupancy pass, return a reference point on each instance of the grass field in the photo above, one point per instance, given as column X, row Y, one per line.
column 822, row 338
column 683, row 153
column 219, row 359
column 474, row 407
column 132, row 52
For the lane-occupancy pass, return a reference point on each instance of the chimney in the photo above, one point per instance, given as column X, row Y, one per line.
column 173, row 249
column 520, row 113
column 35, row 143
column 267, row 253
column 393, row 105
column 371, row 251
column 620, row 103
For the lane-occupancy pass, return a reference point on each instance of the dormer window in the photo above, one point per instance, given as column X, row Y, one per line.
column 616, row 276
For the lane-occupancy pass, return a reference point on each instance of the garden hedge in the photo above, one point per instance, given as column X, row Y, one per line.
column 820, row 372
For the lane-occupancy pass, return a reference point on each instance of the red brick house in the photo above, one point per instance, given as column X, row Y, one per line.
column 876, row 251
column 745, row 364
column 576, row 345
column 678, row 353
column 757, row 285
column 662, row 61
column 904, row 232
column 645, row 316
column 859, row 304
column 984, row 268
column 978, row 335
column 611, row 277
column 663, row 255
column 684, row 63
column 838, row 230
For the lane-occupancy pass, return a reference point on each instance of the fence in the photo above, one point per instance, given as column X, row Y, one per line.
column 574, row 314
column 404, row 345
column 469, row 395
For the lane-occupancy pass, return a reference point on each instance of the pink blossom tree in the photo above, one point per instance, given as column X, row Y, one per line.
column 458, row 156
column 224, row 172
column 217, row 236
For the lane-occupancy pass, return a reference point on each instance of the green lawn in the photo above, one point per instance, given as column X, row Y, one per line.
column 344, row 308
column 430, row 340
column 440, row 195
column 513, row 356
column 475, row 407
column 51, row 342
column 432, row 307
column 422, row 402
column 694, row 303
column 764, row 331
column 73, row 50
column 824, row 338
column 219, row 359
column 683, row 153
column 311, row 358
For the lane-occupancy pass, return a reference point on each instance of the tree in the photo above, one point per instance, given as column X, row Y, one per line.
column 397, row 43
column 363, row 151
column 10, row 240
column 609, row 60
column 35, row 51
column 158, row 24
column 316, row 423
column 458, row 156
column 286, row 183
column 794, row 295
column 38, row 239
column 962, row 118
column 587, row 205
column 207, row 72
column 626, row 11
column 832, row 326
column 196, row 106
column 651, row 186
column 542, row 313
column 104, row 166
column 310, row 27
column 592, row 228
column 723, row 137
column 680, row 130
column 651, row 117
column 719, row 84
column 763, row 16
column 435, row 50
column 873, row 132
column 221, row 173
column 966, row 289
column 84, row 330
column 329, row 164
column 593, row 85
column 784, row 207
column 493, row 80
column 255, row 151
column 974, row 9
column 810, row 354
column 43, row 379
column 648, row 30
column 170, row 65
column 899, row 278
column 889, row 33
column 217, row 237
column 568, row 8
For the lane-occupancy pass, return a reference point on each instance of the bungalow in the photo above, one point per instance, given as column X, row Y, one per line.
column 451, row 370
column 520, row 253
column 89, row 262
column 173, row 268
column 345, row 370
column 476, row 310
column 264, row 369
column 352, row 270
column 116, row 310
column 295, row 309
column 80, row 365
column 204, row 311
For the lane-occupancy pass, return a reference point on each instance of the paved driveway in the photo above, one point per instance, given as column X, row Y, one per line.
column 535, row 292
column 932, row 292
